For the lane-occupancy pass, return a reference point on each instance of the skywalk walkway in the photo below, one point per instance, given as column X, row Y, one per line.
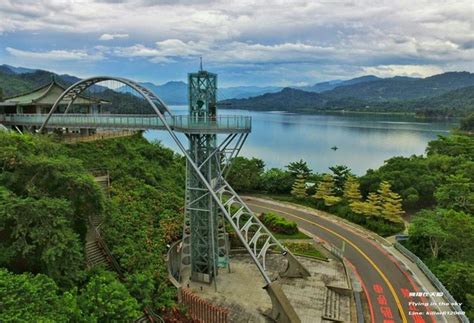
column 178, row 123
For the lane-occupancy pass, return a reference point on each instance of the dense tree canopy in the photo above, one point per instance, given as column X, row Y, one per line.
column 467, row 123
column 299, row 168
column 33, row 299
column 47, row 193
column 245, row 174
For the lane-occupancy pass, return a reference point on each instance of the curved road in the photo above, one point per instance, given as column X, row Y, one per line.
column 384, row 281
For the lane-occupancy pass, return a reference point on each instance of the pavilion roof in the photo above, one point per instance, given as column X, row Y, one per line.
column 47, row 95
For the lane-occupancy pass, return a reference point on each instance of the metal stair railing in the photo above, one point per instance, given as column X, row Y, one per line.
column 148, row 311
column 254, row 231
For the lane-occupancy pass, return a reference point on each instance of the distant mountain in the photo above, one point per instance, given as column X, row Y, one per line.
column 288, row 97
column 403, row 88
column 243, row 92
column 16, row 70
column 70, row 79
column 18, row 83
column 451, row 92
column 329, row 85
column 176, row 92
column 13, row 84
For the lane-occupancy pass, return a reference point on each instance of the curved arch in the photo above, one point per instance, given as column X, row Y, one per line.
column 72, row 92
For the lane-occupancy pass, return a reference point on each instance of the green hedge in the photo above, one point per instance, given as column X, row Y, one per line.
column 278, row 224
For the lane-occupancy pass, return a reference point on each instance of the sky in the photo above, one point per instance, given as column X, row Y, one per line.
column 268, row 42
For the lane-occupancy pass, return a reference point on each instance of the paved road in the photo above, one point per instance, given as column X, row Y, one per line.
column 385, row 283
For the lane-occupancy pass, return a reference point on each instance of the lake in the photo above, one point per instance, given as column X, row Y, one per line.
column 364, row 140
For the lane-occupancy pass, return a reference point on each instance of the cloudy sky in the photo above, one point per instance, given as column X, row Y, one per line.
column 248, row 42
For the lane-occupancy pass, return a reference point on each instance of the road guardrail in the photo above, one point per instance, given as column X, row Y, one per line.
column 434, row 280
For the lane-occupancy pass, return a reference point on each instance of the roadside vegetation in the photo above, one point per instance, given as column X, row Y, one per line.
column 47, row 193
column 433, row 194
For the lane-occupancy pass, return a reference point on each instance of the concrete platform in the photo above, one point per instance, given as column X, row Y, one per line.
column 314, row 299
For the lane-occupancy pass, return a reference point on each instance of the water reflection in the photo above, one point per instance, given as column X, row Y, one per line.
column 364, row 141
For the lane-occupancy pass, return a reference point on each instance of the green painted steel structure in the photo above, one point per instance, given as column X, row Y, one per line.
column 201, row 216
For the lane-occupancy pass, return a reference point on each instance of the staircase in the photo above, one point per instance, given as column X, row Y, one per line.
column 332, row 306
column 97, row 253
column 95, row 256
column 256, row 237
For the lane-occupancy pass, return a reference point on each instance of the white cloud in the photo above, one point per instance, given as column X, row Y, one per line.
column 323, row 38
column 59, row 55
column 402, row 70
column 112, row 36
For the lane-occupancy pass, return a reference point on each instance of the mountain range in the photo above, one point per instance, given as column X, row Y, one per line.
column 448, row 93
column 176, row 92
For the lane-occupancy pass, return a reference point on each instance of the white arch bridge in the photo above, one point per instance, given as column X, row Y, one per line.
column 255, row 237
column 161, row 114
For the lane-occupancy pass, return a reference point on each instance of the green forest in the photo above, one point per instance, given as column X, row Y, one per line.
column 47, row 193
column 430, row 196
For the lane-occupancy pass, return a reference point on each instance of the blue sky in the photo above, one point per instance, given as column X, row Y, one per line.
column 272, row 42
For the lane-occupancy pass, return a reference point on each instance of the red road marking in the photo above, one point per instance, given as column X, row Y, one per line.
column 378, row 288
column 412, row 283
column 382, row 300
column 395, row 261
column 386, row 312
column 364, row 288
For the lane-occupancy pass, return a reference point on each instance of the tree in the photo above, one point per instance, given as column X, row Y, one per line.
column 298, row 190
column 245, row 174
column 299, row 168
column 325, row 191
column 1, row 94
column 277, row 181
column 457, row 193
column 352, row 190
column 29, row 298
column 448, row 233
column 38, row 237
column 341, row 173
column 373, row 205
column 458, row 278
column 105, row 299
column 427, row 226
column 391, row 203
column 467, row 124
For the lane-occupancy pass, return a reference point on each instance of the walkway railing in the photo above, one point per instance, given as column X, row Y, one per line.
column 434, row 280
column 180, row 123
column 202, row 310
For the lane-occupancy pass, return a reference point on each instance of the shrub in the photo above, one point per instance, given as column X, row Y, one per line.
column 278, row 224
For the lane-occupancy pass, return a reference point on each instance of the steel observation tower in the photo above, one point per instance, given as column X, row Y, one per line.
column 204, row 238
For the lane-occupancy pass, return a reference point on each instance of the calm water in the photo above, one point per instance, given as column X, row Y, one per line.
column 364, row 141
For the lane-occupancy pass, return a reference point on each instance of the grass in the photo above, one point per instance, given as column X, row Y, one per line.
column 298, row 235
column 305, row 249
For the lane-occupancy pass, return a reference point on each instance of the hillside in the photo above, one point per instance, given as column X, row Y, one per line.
column 176, row 92
column 12, row 83
column 288, row 97
column 419, row 99
column 47, row 193
column 329, row 85
column 401, row 88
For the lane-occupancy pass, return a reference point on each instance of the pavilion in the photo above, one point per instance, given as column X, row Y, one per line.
column 40, row 100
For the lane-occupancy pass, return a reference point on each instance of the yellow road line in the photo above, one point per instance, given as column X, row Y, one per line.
column 392, row 290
